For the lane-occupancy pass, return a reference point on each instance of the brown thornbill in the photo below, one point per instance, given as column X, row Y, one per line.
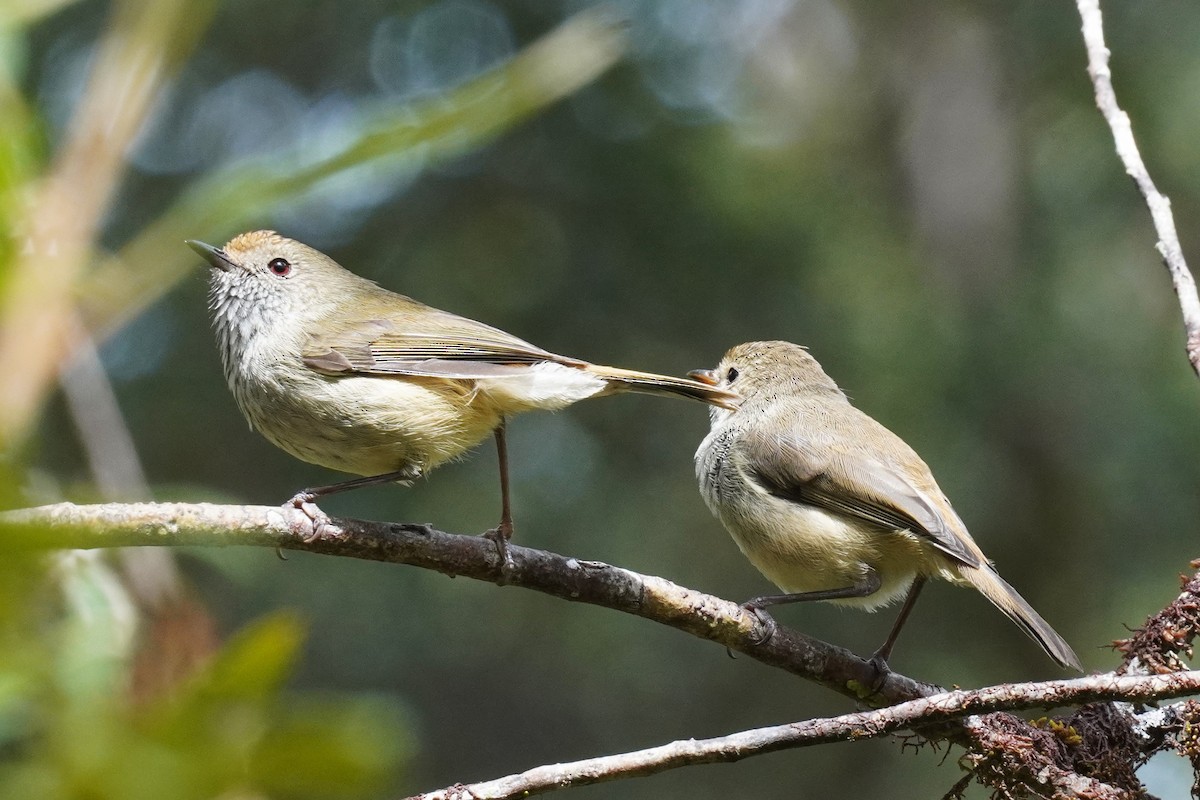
column 342, row 373
column 831, row 505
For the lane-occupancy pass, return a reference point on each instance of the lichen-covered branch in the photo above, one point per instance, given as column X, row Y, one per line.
column 1015, row 766
column 939, row 708
column 1157, row 646
column 1131, row 158
column 1096, row 751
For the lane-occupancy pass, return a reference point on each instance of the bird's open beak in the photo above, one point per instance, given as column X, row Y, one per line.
column 213, row 255
column 705, row 376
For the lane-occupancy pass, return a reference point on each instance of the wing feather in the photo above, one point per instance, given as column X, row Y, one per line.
column 447, row 346
column 849, row 481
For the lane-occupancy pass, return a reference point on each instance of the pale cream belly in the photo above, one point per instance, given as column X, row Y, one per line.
column 371, row 426
column 802, row 548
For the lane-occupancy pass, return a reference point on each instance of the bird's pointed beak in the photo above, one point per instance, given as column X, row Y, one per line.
column 705, row 376
column 215, row 256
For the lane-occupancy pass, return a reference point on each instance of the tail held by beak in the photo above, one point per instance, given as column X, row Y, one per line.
column 649, row 383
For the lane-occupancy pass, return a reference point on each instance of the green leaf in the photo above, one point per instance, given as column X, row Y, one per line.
column 386, row 136
column 331, row 746
column 258, row 659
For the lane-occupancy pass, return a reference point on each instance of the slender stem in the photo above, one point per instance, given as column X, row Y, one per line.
column 1127, row 150
column 939, row 708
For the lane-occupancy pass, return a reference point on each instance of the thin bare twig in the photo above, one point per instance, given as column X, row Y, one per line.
column 113, row 461
column 650, row 597
column 939, row 708
column 111, row 454
column 1160, row 207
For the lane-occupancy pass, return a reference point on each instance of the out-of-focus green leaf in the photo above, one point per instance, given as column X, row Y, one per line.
column 70, row 732
column 256, row 661
column 21, row 151
column 15, row 13
column 243, row 195
column 330, row 746
column 68, row 729
column 98, row 632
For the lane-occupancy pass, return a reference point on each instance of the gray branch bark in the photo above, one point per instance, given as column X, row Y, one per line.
column 653, row 598
column 938, row 708
column 1127, row 150
column 1004, row 745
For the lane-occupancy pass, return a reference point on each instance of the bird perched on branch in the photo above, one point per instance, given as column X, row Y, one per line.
column 830, row 505
column 342, row 373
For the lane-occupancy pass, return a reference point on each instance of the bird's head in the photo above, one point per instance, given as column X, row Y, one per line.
column 764, row 371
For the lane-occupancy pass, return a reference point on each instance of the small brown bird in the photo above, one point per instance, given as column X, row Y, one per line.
column 830, row 505
column 342, row 373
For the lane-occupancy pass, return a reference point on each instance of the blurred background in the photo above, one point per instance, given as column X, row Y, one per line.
column 925, row 196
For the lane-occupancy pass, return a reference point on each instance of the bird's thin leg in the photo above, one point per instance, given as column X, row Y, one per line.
column 879, row 659
column 504, row 531
column 506, row 523
column 869, row 584
column 308, row 495
column 303, row 500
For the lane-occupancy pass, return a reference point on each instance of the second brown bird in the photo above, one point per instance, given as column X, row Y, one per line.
column 831, row 505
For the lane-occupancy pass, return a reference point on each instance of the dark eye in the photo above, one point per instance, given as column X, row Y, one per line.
column 731, row 376
column 280, row 267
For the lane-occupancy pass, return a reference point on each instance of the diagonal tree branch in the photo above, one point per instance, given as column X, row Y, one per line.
column 1008, row 753
column 1127, row 149
column 939, row 708
column 647, row 596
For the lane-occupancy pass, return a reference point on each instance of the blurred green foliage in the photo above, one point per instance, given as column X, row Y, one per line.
column 68, row 728
column 923, row 194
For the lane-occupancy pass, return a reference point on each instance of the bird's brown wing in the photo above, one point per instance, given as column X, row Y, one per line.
column 445, row 345
column 848, row 481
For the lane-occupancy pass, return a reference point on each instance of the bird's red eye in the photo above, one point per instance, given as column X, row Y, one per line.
column 280, row 267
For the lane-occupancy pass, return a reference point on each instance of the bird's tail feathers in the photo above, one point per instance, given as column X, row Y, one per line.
column 649, row 383
column 1005, row 598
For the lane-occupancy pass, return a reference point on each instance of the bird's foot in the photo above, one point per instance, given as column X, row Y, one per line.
column 304, row 501
column 878, row 662
column 500, row 536
column 765, row 625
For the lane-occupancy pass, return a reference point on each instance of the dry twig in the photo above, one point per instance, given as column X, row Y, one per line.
column 653, row 598
column 1127, row 149
column 939, row 708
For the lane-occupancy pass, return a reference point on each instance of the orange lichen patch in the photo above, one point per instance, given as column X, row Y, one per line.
column 245, row 242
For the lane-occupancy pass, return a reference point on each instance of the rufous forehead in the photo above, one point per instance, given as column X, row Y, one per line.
column 245, row 242
column 758, row 350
